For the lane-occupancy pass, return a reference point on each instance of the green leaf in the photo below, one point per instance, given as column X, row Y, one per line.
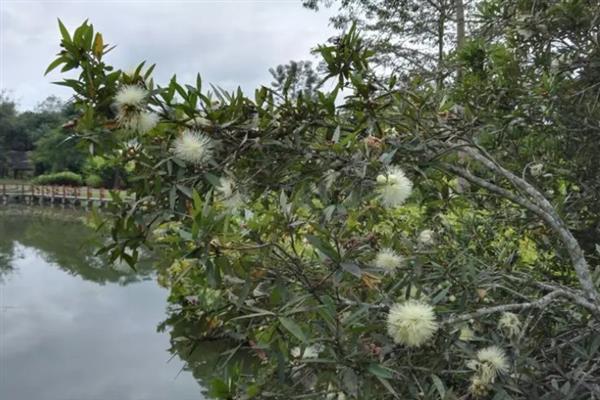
column 78, row 34
column 139, row 69
column 72, row 83
column 112, row 78
column 64, row 32
column 197, row 201
column 88, row 36
column 380, row 371
column 352, row 268
column 293, row 328
column 185, row 190
column 69, row 65
column 219, row 389
column 198, row 83
column 388, row 386
column 441, row 295
column 350, row 381
column 213, row 179
column 323, row 246
column 336, row 135
column 252, row 391
column 260, row 95
column 264, row 313
column 149, row 72
column 439, row 385
column 54, row 64
column 172, row 197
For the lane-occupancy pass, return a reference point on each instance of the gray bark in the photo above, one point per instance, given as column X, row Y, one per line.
column 529, row 197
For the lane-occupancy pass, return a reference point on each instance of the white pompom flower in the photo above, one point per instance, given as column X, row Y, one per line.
column 193, row 147
column 466, row 334
column 536, row 169
column 491, row 361
column 411, row 323
column 131, row 100
column 231, row 197
column 131, row 96
column 426, row 237
column 510, row 324
column 311, row 351
column 139, row 122
column 147, row 121
column 387, row 259
column 495, row 356
column 394, row 187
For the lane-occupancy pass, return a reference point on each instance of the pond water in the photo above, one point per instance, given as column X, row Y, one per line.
column 73, row 329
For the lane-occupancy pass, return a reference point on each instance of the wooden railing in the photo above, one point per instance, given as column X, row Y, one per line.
column 29, row 193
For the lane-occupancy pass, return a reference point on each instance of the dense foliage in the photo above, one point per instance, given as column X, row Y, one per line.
column 38, row 132
column 45, row 144
column 409, row 240
column 67, row 178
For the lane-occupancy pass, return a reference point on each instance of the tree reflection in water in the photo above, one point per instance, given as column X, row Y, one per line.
column 67, row 244
column 206, row 357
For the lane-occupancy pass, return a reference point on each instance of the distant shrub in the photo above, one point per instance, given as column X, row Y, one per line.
column 60, row 178
column 108, row 169
column 94, row 181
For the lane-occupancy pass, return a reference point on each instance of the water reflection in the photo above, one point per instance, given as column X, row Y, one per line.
column 70, row 328
column 204, row 358
column 66, row 244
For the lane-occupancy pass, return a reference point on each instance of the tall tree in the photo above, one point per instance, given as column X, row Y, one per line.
column 460, row 28
column 295, row 78
column 408, row 36
column 9, row 132
column 39, row 131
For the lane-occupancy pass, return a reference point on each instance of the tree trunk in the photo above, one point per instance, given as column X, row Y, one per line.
column 459, row 6
column 441, row 32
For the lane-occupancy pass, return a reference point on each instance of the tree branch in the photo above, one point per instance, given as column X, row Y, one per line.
column 534, row 201
column 540, row 303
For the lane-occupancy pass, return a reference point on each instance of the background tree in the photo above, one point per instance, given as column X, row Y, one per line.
column 297, row 78
column 526, row 90
column 54, row 152
column 10, row 133
column 8, row 130
column 40, row 132
column 408, row 36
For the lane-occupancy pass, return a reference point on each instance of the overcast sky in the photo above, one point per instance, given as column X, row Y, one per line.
column 230, row 42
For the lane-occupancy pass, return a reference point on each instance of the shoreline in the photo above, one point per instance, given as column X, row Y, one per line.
column 70, row 214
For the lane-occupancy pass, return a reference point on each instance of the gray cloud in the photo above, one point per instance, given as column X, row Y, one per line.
column 229, row 42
